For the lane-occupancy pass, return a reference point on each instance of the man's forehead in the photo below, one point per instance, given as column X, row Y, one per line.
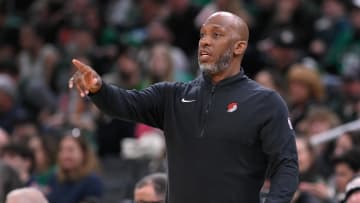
column 213, row 26
column 223, row 20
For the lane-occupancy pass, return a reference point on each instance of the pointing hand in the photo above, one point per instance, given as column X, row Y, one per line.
column 85, row 79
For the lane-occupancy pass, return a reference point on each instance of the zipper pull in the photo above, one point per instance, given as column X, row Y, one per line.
column 213, row 89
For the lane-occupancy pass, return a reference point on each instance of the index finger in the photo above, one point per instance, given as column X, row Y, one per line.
column 83, row 68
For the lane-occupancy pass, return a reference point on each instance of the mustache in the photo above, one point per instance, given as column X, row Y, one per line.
column 206, row 50
column 221, row 64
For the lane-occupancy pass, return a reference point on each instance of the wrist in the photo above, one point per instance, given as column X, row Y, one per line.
column 97, row 86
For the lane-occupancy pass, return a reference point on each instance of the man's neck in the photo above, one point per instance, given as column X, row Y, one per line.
column 233, row 70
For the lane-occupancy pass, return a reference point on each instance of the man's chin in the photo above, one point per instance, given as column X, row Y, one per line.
column 208, row 68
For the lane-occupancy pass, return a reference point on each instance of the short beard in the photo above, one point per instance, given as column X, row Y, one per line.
column 222, row 64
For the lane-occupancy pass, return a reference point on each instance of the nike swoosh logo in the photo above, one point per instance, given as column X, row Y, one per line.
column 187, row 101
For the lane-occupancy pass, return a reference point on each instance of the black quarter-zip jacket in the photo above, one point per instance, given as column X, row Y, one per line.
column 221, row 139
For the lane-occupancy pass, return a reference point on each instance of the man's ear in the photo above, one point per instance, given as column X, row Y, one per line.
column 240, row 47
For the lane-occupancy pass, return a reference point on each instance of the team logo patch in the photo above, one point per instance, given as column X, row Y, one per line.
column 232, row 107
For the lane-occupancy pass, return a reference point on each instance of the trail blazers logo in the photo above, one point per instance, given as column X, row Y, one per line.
column 232, row 107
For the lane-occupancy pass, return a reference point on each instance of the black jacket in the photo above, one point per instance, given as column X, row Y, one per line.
column 220, row 138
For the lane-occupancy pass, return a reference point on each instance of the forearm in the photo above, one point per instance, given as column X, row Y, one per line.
column 141, row 106
column 278, row 141
column 111, row 100
column 284, row 182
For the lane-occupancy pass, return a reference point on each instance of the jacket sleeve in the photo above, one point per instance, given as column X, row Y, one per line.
column 278, row 142
column 145, row 106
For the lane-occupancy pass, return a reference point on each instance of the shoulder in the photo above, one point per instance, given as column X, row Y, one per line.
column 177, row 85
column 270, row 97
column 260, row 90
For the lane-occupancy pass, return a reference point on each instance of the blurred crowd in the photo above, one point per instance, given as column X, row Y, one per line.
column 55, row 141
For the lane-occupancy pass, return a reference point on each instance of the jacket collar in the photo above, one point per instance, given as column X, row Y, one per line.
column 225, row 82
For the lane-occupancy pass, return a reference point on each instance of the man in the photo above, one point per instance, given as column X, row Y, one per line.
column 151, row 188
column 223, row 131
column 26, row 195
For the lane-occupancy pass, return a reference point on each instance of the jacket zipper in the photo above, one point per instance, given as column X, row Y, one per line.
column 202, row 133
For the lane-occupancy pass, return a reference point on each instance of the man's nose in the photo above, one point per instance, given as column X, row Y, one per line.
column 204, row 41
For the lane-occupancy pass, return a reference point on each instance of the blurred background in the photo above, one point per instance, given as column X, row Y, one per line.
column 51, row 139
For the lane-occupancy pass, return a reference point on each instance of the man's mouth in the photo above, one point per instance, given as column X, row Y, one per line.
column 204, row 53
column 204, row 56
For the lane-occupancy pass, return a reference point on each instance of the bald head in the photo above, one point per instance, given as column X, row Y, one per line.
column 26, row 195
column 222, row 45
column 234, row 22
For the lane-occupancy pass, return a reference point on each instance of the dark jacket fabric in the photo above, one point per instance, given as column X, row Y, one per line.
column 221, row 139
column 86, row 188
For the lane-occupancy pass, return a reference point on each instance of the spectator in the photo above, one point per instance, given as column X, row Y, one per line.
column 159, row 36
column 349, row 108
column 24, row 129
column 296, row 15
column 181, row 24
column 76, row 176
column 126, row 72
column 305, row 90
column 20, row 158
column 319, row 120
column 10, row 111
column 281, row 49
column 270, row 79
column 9, row 67
column 4, row 138
column 8, row 34
column 346, row 142
column 332, row 23
column 343, row 52
column 37, row 59
column 161, row 66
column 353, row 191
column 44, row 153
column 82, row 42
column 309, row 171
column 262, row 12
column 151, row 188
column 346, row 166
column 119, row 13
column 313, row 187
column 25, row 195
column 9, row 180
column 146, row 13
column 151, row 10
column 304, row 198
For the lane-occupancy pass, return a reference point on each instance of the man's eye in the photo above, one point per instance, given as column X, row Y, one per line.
column 217, row 35
column 201, row 35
